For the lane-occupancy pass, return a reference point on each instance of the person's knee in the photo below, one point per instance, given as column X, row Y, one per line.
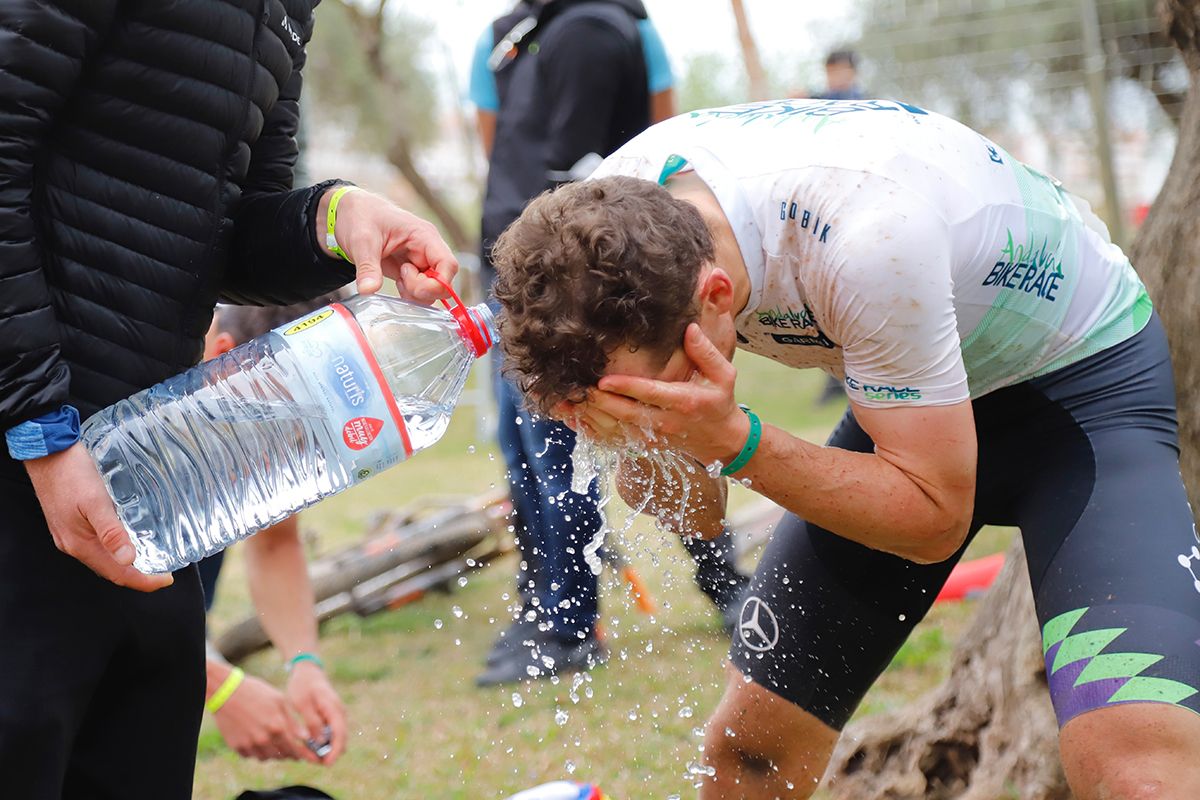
column 1133, row 752
column 1127, row 777
column 761, row 745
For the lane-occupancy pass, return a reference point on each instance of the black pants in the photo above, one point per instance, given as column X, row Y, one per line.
column 1085, row 460
column 101, row 688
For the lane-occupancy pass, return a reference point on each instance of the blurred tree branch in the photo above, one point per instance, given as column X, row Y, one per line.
column 754, row 69
column 1167, row 250
column 364, row 61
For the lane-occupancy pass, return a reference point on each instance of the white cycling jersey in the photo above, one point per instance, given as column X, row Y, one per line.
column 897, row 248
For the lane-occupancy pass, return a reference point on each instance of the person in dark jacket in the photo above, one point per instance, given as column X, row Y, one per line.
column 564, row 82
column 146, row 157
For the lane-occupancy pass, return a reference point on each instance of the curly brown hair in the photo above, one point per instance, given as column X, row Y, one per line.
column 591, row 267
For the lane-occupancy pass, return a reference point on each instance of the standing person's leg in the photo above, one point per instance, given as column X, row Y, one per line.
column 822, row 618
column 522, row 484
column 557, row 624
column 67, row 629
column 137, row 740
column 522, row 489
column 1114, row 566
column 568, row 523
column 717, row 573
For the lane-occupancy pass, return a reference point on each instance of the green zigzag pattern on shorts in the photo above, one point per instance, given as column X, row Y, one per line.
column 1120, row 671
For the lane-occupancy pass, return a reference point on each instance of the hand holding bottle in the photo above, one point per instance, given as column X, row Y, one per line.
column 82, row 520
column 382, row 240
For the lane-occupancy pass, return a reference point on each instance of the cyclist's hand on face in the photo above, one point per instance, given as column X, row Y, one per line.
column 319, row 706
column 257, row 722
column 82, row 519
column 384, row 241
column 697, row 416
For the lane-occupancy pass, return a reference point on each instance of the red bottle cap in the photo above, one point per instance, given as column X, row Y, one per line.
column 477, row 333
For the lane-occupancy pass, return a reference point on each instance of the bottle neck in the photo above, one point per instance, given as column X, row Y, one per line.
column 477, row 325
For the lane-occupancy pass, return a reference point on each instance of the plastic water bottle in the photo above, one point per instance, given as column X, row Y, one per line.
column 243, row 441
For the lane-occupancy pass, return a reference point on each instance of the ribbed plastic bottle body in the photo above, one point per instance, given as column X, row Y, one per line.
column 243, row 441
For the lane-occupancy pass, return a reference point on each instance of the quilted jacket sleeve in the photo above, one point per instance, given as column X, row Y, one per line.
column 43, row 47
column 275, row 259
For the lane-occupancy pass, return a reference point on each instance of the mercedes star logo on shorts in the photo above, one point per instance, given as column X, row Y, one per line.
column 758, row 627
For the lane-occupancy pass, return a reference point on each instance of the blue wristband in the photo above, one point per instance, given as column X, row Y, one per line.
column 41, row 436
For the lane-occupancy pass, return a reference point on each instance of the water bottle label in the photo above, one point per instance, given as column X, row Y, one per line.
column 329, row 347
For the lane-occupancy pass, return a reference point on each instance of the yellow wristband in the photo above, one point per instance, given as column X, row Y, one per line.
column 331, row 221
column 222, row 695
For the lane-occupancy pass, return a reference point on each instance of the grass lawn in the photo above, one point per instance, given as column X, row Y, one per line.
column 420, row 728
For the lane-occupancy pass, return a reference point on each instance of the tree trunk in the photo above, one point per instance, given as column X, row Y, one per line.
column 371, row 24
column 987, row 733
column 400, row 156
column 1167, row 251
column 755, row 73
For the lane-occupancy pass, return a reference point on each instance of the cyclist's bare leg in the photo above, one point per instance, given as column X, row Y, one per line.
column 1139, row 751
column 763, row 746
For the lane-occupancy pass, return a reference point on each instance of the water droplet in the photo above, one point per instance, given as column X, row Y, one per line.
column 570, row 767
column 470, row 448
column 462, row 581
column 902, row 618
column 457, row 611
column 649, row 647
column 517, row 700
column 437, row 623
column 561, row 717
column 729, row 732
column 686, row 712
column 633, row 715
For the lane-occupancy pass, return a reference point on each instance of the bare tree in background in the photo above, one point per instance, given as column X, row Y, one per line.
column 755, row 73
column 989, row 731
column 363, row 63
column 1167, row 251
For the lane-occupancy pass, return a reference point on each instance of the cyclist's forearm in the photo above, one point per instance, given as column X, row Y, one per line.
column 280, row 588
column 691, row 504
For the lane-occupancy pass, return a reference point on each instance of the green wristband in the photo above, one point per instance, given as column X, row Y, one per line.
column 299, row 657
column 749, row 448
column 331, row 221
column 221, row 696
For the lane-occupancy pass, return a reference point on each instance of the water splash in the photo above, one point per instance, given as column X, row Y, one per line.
column 591, row 461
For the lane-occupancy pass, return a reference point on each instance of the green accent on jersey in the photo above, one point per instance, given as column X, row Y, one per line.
column 1153, row 690
column 1057, row 629
column 673, row 164
column 1116, row 665
column 1016, row 332
column 1084, row 645
column 1142, row 309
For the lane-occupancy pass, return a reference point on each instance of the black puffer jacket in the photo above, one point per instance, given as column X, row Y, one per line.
column 146, row 156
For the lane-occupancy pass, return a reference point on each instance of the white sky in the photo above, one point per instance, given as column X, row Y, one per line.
column 787, row 31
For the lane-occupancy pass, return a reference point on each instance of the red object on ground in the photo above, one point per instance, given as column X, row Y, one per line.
column 971, row 577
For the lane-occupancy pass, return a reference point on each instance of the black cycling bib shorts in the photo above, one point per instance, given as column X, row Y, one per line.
column 1085, row 461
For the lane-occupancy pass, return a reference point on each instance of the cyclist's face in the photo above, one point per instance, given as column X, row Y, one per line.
column 643, row 364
